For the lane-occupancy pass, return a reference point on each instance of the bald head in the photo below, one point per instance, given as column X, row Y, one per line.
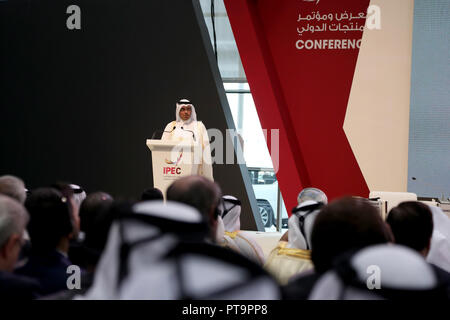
column 313, row 194
column 13, row 187
column 198, row 192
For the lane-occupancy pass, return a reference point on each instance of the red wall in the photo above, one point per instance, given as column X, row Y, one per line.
column 303, row 93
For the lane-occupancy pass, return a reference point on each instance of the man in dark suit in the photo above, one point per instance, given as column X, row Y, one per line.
column 13, row 219
column 411, row 223
column 52, row 225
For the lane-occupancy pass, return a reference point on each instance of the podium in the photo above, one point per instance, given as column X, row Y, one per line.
column 173, row 160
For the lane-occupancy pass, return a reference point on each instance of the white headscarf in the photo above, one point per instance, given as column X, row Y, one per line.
column 296, row 238
column 181, row 103
column 220, row 230
column 398, row 267
column 241, row 241
column 232, row 219
column 439, row 254
column 105, row 286
column 156, row 272
column 191, row 130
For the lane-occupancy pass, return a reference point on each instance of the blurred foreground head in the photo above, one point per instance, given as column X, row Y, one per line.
column 13, row 187
column 411, row 223
column 200, row 193
column 157, row 250
column 395, row 272
column 343, row 225
column 97, row 213
column 152, row 194
column 51, row 218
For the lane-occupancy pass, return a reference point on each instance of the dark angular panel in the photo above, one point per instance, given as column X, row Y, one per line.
column 78, row 105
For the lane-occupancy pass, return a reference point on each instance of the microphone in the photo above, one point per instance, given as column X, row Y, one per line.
column 193, row 135
column 153, row 135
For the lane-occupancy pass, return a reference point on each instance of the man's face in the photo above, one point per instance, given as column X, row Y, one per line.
column 9, row 253
column 185, row 112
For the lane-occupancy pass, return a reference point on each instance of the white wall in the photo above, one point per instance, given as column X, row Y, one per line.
column 377, row 119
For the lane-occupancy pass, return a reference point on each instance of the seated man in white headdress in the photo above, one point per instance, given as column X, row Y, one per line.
column 186, row 128
column 229, row 234
column 162, row 251
column 293, row 255
column 396, row 272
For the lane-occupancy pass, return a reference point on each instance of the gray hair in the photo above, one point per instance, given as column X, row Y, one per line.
column 13, row 187
column 13, row 218
column 313, row 194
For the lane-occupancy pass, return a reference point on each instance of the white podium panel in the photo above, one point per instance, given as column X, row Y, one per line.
column 172, row 161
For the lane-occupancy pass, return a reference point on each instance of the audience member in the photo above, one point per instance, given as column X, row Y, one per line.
column 200, row 193
column 439, row 253
column 92, row 207
column 160, row 251
column 378, row 272
column 68, row 191
column 411, row 223
column 97, row 233
column 152, row 194
column 180, row 249
column 312, row 194
column 292, row 254
column 102, row 211
column 78, row 194
column 343, row 225
column 13, row 220
column 308, row 194
column 93, row 210
column 13, row 187
column 52, row 225
column 229, row 234
column 412, row 226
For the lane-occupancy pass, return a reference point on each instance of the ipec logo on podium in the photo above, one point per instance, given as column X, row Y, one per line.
column 175, row 170
column 175, row 162
column 171, row 170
